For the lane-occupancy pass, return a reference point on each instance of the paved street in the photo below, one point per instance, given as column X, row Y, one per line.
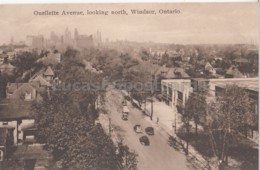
column 159, row 155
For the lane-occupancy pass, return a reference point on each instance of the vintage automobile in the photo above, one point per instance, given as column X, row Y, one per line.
column 149, row 130
column 124, row 103
column 125, row 113
column 144, row 140
column 138, row 128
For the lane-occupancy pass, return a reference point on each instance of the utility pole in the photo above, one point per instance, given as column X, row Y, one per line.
column 175, row 123
column 109, row 126
column 152, row 91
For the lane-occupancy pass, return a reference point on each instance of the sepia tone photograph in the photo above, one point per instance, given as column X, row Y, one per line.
column 134, row 86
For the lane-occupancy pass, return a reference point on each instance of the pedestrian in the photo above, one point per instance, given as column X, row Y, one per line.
column 174, row 139
column 157, row 120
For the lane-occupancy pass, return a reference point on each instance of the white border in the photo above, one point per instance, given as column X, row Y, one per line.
column 117, row 1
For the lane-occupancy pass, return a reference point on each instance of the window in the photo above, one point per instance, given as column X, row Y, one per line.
column 5, row 123
column 180, row 96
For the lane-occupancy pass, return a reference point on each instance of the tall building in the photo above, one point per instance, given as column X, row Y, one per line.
column 67, row 37
column 98, row 38
column 76, row 34
column 35, row 41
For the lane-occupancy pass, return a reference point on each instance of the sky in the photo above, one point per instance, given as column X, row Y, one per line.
column 200, row 23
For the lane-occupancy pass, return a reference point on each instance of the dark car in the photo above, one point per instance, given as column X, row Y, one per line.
column 124, row 103
column 138, row 128
column 144, row 140
column 149, row 130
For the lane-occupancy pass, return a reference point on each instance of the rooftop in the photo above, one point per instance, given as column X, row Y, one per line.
column 15, row 109
column 48, row 72
column 250, row 84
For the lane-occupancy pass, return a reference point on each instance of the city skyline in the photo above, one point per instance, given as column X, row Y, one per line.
column 196, row 24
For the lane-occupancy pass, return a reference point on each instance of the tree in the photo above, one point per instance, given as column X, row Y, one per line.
column 127, row 159
column 65, row 121
column 225, row 116
column 25, row 61
column 195, row 108
column 70, row 134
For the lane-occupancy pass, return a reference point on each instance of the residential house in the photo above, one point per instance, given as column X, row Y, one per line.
column 16, row 115
column 48, row 74
column 23, row 91
column 233, row 72
column 44, row 76
column 210, row 69
column 174, row 73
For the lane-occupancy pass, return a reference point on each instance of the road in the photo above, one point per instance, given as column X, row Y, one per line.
column 159, row 155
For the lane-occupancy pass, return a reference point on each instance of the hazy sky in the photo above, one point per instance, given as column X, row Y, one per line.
column 197, row 23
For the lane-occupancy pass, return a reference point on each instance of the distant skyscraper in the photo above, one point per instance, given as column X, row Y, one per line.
column 76, row 34
column 67, row 36
column 99, row 38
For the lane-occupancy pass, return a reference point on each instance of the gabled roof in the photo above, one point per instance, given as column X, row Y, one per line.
column 48, row 72
column 14, row 109
column 41, row 80
column 208, row 66
column 40, row 72
column 233, row 70
column 24, row 88
column 176, row 73
column 161, row 70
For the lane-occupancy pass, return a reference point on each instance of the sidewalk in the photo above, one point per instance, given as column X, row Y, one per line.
column 166, row 116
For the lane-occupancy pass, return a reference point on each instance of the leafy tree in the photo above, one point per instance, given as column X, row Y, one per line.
column 70, row 134
column 127, row 159
column 25, row 61
column 231, row 111
column 195, row 108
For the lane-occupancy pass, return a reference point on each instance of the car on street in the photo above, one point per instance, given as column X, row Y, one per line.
column 149, row 130
column 125, row 112
column 138, row 128
column 124, row 103
column 144, row 140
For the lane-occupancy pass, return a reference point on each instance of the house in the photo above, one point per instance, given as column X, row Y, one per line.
column 43, row 82
column 210, row 69
column 174, row 73
column 161, row 71
column 44, row 76
column 48, row 74
column 233, row 72
column 24, row 91
column 16, row 115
